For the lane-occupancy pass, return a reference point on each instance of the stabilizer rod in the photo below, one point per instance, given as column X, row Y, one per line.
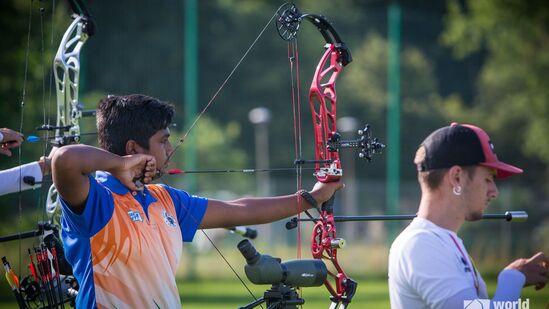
column 509, row 216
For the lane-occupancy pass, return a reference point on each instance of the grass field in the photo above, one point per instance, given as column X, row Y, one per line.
column 218, row 288
column 372, row 293
column 231, row 294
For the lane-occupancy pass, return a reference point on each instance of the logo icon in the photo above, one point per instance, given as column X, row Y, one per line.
column 168, row 219
column 476, row 304
column 135, row 216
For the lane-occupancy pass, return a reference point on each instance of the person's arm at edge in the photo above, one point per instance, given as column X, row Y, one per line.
column 10, row 139
column 11, row 182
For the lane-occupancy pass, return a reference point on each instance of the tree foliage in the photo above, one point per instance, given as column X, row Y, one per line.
column 512, row 97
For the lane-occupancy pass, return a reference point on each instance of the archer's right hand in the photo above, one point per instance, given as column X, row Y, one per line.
column 136, row 171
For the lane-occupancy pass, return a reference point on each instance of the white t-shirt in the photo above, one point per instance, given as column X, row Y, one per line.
column 429, row 267
column 11, row 180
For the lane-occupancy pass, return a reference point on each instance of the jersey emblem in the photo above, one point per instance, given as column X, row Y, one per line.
column 135, row 216
column 169, row 219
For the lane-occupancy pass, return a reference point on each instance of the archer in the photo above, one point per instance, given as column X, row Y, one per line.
column 123, row 235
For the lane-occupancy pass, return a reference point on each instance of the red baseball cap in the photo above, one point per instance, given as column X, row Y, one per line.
column 464, row 145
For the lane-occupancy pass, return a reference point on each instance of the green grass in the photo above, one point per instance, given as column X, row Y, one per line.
column 372, row 293
column 232, row 294
column 226, row 293
column 216, row 287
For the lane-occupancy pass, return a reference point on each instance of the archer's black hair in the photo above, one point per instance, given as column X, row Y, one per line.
column 132, row 117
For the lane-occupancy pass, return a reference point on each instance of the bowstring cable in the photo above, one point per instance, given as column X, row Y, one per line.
column 194, row 124
column 23, row 98
column 293, row 56
column 299, row 135
column 224, row 83
column 294, row 77
column 47, row 120
column 43, row 99
column 216, row 248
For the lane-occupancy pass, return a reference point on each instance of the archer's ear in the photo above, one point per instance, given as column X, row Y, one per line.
column 132, row 147
column 455, row 175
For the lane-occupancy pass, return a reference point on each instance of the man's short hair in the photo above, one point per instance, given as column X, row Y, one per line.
column 131, row 117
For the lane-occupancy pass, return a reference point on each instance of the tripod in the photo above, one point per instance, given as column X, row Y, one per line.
column 279, row 296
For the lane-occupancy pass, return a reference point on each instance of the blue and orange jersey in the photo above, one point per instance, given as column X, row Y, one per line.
column 125, row 247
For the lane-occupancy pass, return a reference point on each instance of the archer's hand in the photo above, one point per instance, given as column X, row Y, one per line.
column 12, row 139
column 534, row 268
column 324, row 191
column 136, row 171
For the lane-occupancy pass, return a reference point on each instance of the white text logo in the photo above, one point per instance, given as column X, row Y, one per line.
column 485, row 304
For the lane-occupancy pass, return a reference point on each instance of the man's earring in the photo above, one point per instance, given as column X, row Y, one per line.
column 456, row 190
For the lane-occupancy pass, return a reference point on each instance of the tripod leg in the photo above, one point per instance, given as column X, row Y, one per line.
column 274, row 305
column 254, row 304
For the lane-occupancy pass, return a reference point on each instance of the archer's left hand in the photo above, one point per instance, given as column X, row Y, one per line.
column 324, row 191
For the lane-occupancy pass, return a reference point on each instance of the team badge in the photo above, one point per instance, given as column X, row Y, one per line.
column 135, row 216
column 169, row 219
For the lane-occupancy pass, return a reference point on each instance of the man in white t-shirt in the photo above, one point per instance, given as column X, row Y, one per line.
column 429, row 266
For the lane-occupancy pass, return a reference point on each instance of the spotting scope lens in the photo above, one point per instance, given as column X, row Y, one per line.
column 265, row 269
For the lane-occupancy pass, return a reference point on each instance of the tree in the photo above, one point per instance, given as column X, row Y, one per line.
column 512, row 99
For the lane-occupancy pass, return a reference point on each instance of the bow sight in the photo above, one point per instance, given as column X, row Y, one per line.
column 367, row 144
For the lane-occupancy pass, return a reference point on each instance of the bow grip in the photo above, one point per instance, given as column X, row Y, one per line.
column 328, row 206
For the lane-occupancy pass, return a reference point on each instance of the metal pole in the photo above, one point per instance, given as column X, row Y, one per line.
column 393, row 117
column 190, row 95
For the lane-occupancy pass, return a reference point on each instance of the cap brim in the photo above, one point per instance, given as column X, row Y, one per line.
column 504, row 170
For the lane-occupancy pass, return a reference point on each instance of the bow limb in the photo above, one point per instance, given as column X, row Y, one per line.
column 323, row 99
column 324, row 240
column 66, row 69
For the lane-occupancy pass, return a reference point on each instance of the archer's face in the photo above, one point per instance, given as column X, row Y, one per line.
column 160, row 147
column 479, row 192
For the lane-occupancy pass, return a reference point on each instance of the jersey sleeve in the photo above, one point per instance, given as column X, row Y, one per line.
column 190, row 210
column 97, row 212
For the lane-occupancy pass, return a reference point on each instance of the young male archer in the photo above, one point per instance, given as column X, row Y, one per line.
column 124, row 238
